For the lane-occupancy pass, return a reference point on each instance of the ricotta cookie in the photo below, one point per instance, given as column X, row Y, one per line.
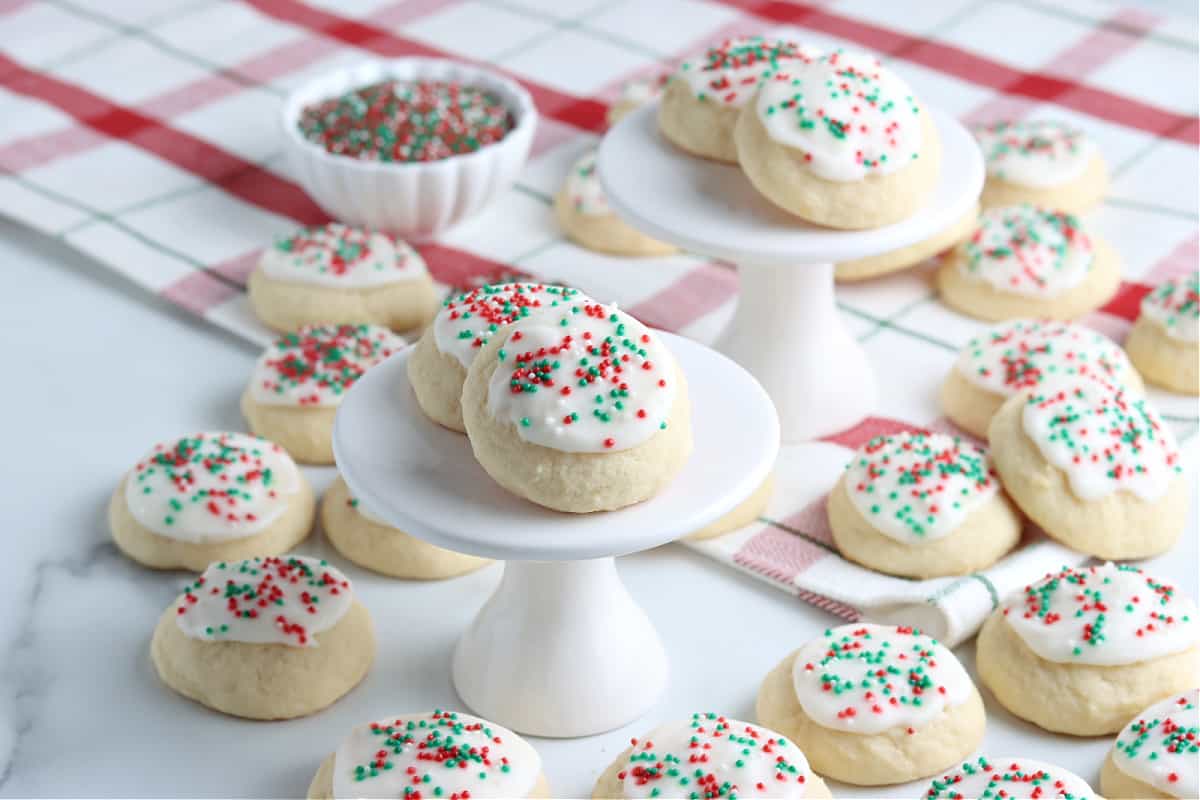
column 581, row 412
column 444, row 754
column 886, row 263
column 210, row 497
column 1011, row 779
column 1163, row 342
column 1026, row 261
column 709, row 755
column 635, row 94
column 841, row 141
column 1094, row 466
column 747, row 512
column 1021, row 355
column 922, row 505
column 1084, row 649
column 300, row 380
column 265, row 638
column 466, row 322
column 1158, row 753
column 1046, row 163
column 874, row 704
column 334, row 274
column 374, row 544
column 583, row 212
column 705, row 94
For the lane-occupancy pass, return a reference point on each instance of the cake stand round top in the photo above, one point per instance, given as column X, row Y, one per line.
column 710, row 208
column 424, row 480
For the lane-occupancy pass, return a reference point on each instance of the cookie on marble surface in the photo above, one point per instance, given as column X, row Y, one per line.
column 1084, row 649
column 1094, row 465
column 895, row 260
column 265, row 638
column 986, row 778
column 335, row 274
column 438, row 365
column 745, row 513
column 444, row 754
column 1158, row 753
column 299, row 382
column 375, row 545
column 1020, row 355
column 813, row 147
column 1028, row 261
column 583, row 411
column 1163, row 342
column 210, row 497
column 635, row 94
column 922, row 505
column 715, row 757
column 1043, row 162
column 585, row 216
column 874, row 704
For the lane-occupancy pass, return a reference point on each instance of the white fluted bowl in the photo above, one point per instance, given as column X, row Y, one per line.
column 413, row 200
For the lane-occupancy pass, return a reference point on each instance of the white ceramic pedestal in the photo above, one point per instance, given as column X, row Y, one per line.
column 561, row 648
column 786, row 330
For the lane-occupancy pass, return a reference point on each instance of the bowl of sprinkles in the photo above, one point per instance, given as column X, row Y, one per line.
column 410, row 146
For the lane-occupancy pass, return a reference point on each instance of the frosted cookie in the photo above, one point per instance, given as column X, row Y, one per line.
column 704, row 96
column 210, row 497
column 374, row 544
column 300, row 380
column 1094, row 466
column 583, row 212
column 1011, row 779
column 1083, row 650
column 265, row 638
column 333, row 274
column 635, row 94
column 874, row 704
column 1163, row 342
column 581, row 412
column 1021, row 355
column 886, row 263
column 1026, row 261
column 922, row 505
column 841, row 142
column 746, row 512
column 1048, row 164
column 430, row 754
column 1158, row 753
column 709, row 755
column 438, row 365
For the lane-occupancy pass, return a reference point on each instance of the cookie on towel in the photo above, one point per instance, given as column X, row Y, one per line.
column 1010, row 779
column 584, row 214
column 895, row 260
column 1043, row 162
column 1163, row 342
column 635, row 94
column 1158, row 753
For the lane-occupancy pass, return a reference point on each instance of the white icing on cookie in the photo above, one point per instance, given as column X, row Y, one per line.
column 1161, row 747
column 917, row 487
column 285, row 600
column 1102, row 437
column 869, row 679
column 1027, row 250
column 847, row 114
column 583, row 187
column 440, row 754
column 595, row 381
column 1009, row 779
column 315, row 367
column 1038, row 153
column 1108, row 614
column 712, row 756
column 1025, row 353
column 339, row 256
column 468, row 320
column 731, row 72
column 211, row 487
column 640, row 91
column 1175, row 305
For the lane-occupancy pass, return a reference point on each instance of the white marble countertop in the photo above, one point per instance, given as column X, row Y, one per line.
column 99, row 370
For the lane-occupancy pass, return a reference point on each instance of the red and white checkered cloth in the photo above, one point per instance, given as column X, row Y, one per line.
column 143, row 132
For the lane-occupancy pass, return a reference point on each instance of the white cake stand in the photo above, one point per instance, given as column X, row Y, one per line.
column 786, row 330
column 561, row 648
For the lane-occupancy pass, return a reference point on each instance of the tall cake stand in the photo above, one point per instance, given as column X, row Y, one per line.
column 786, row 330
column 561, row 648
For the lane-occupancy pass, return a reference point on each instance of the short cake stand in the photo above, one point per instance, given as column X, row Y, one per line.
column 560, row 648
column 786, row 330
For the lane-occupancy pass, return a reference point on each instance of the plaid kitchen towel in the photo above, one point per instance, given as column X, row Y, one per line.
column 144, row 133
